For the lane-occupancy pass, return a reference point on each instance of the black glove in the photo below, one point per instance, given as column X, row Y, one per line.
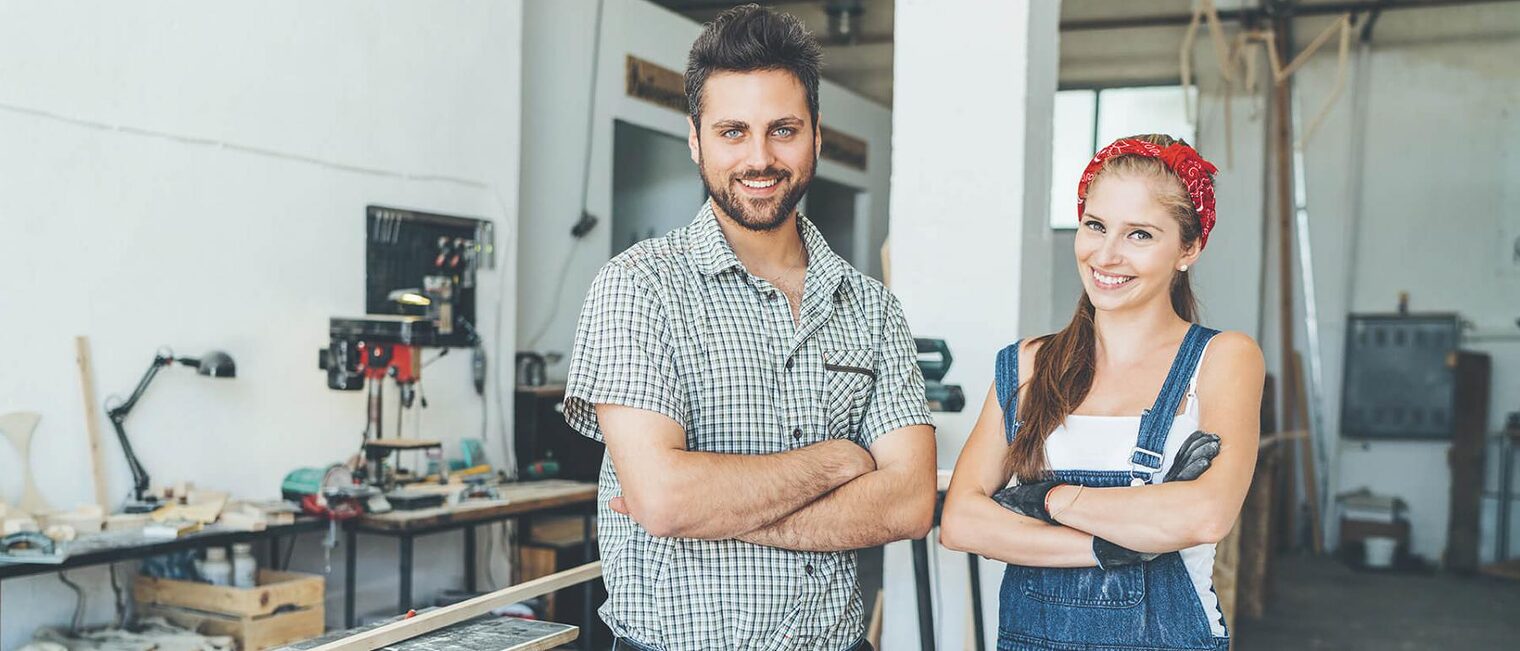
column 1110, row 556
column 1195, row 457
column 1197, row 453
column 1027, row 499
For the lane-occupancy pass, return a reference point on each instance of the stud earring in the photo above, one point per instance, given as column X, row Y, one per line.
column 1182, row 268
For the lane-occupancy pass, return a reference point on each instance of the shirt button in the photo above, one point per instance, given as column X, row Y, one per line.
column 789, row 363
column 809, row 569
column 797, row 433
column 771, row 295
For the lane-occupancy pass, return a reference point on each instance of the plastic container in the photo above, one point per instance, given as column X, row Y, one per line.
column 245, row 569
column 216, row 570
column 1378, row 551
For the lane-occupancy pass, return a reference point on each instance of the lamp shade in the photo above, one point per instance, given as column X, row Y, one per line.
column 216, row 364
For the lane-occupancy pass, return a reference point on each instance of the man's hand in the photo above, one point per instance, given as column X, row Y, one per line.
column 1197, row 453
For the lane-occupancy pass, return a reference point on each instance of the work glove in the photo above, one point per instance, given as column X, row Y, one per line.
column 1027, row 499
column 1195, row 457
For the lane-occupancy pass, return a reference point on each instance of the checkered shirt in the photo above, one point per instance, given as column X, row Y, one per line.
column 678, row 326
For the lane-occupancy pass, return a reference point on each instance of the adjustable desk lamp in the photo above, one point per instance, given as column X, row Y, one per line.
column 214, row 364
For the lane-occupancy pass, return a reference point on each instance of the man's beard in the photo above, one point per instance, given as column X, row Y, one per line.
column 766, row 214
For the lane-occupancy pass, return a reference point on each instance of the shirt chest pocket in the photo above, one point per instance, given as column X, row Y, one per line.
column 850, row 378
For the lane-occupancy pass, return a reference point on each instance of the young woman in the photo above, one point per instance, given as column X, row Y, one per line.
column 1089, row 471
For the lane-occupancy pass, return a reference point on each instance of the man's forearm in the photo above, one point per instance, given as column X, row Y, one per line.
column 718, row 496
column 873, row 509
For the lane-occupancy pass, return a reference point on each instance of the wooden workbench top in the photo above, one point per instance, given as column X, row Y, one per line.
column 518, row 497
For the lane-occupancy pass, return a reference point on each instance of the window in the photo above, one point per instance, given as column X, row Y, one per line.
column 1087, row 119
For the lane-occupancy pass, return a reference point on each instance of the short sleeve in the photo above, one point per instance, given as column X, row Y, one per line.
column 898, row 398
column 623, row 354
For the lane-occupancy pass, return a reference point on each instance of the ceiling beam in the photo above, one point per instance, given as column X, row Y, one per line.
column 1260, row 14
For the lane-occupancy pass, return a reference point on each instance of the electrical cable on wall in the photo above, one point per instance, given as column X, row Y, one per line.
column 586, row 221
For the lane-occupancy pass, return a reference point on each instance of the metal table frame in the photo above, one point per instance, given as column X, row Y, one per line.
column 407, row 536
column 925, row 587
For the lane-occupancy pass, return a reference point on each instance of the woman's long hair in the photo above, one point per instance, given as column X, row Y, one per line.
column 1064, row 365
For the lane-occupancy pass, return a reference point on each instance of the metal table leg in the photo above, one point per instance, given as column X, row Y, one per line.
column 977, row 627
column 272, row 545
column 406, row 574
column 588, row 607
column 1506, row 471
column 925, row 597
column 350, row 565
column 469, row 558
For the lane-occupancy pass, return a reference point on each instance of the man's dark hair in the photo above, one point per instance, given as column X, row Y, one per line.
column 751, row 38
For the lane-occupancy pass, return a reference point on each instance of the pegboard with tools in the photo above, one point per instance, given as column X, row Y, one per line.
column 425, row 265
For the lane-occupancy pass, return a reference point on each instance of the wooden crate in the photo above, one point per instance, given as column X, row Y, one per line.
column 246, row 614
column 250, row 633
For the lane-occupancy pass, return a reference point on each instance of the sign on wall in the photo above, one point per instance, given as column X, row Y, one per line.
column 662, row 86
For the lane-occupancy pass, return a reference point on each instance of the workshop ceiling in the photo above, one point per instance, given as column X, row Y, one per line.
column 1098, row 33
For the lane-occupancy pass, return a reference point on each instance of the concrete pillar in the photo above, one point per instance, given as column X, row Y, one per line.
column 974, row 83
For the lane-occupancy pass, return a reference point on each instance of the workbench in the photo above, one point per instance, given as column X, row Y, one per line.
column 485, row 634
column 117, row 546
column 518, row 501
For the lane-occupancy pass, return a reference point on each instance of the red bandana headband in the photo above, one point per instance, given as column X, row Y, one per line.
column 1182, row 159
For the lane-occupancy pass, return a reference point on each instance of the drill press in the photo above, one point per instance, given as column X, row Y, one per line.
column 367, row 351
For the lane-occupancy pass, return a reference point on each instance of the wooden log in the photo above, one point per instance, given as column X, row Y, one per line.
column 442, row 617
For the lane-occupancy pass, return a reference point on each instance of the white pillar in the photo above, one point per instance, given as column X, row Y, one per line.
column 974, row 83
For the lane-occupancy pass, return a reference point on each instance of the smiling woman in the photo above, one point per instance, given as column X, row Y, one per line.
column 1111, row 456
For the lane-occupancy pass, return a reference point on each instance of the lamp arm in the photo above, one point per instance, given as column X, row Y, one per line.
column 118, row 415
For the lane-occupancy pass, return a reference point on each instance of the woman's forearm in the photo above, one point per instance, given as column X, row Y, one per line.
column 974, row 523
column 1153, row 518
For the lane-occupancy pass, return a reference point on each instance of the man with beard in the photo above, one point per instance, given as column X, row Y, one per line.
column 760, row 399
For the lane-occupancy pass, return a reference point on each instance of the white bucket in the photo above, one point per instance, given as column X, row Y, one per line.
column 1379, row 551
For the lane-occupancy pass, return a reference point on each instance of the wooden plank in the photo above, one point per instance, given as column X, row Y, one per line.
column 1311, row 476
column 535, row 562
column 520, row 497
column 1282, row 150
column 92, row 419
column 436, row 619
column 1253, row 563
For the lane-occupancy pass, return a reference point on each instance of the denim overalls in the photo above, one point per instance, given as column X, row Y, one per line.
column 1146, row 606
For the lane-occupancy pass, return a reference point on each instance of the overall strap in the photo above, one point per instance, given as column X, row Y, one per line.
column 1006, row 381
column 1156, row 422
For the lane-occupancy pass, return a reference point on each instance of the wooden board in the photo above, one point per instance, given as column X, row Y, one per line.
column 520, row 497
column 92, row 410
column 535, row 562
column 441, row 618
column 19, row 428
column 486, row 634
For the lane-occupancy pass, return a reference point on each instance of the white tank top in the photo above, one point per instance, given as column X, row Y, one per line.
column 1106, row 442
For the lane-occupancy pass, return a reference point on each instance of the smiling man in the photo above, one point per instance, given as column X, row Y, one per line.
column 760, row 399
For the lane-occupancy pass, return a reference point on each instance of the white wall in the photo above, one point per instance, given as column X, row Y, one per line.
column 557, row 269
column 141, row 241
column 1435, row 217
column 969, row 202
